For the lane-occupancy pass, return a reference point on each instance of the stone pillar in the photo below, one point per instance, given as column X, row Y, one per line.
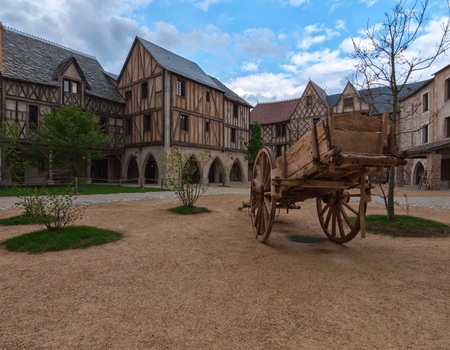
column 434, row 171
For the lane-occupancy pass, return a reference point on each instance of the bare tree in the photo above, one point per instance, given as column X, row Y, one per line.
column 386, row 62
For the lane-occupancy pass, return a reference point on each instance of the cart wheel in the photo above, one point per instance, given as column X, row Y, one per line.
column 339, row 218
column 262, row 204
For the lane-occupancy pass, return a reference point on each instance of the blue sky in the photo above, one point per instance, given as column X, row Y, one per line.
column 264, row 50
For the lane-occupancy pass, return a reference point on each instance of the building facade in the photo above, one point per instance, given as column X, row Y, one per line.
column 158, row 101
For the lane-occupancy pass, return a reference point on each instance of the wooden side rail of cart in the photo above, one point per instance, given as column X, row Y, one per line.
column 331, row 163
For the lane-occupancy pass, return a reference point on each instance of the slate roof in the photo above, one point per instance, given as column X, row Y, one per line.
column 177, row 64
column 273, row 112
column 428, row 147
column 36, row 60
column 381, row 97
column 231, row 95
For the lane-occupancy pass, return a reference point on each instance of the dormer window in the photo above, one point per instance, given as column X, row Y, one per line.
column 348, row 102
column 71, row 86
column 309, row 101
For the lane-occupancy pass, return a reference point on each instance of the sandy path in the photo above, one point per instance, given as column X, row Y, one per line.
column 204, row 282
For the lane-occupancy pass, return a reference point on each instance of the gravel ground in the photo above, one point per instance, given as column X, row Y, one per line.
column 204, row 282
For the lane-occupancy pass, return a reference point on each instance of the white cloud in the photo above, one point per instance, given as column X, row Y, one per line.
column 340, row 25
column 308, row 39
column 250, row 67
column 203, row 4
column 368, row 3
column 257, row 42
column 294, row 3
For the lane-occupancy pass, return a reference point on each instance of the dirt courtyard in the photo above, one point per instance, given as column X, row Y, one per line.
column 204, row 282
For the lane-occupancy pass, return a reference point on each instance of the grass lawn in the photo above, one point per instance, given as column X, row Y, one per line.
column 406, row 226
column 189, row 210
column 82, row 189
column 74, row 237
column 23, row 219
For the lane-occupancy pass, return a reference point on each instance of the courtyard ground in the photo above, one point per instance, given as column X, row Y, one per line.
column 204, row 282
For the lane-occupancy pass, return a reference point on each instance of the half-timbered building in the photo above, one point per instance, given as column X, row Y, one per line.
column 159, row 101
column 37, row 76
column 172, row 102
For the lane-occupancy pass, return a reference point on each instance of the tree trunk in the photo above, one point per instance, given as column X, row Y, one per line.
column 390, row 198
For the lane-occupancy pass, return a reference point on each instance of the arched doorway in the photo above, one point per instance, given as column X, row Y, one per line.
column 420, row 170
column 236, row 171
column 151, row 171
column 215, row 174
column 133, row 171
column 193, row 170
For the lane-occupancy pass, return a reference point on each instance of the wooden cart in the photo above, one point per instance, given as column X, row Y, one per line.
column 330, row 163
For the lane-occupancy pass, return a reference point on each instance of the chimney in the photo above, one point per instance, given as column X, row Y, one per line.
column 2, row 29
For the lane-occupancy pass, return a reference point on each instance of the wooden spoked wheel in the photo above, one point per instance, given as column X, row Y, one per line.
column 339, row 217
column 262, row 204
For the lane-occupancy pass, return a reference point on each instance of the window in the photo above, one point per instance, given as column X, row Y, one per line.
column 281, row 130
column 207, row 96
column 147, row 122
column 144, row 90
column 348, row 102
column 279, row 150
column 207, row 123
column 103, row 123
column 447, row 127
column 233, row 135
column 316, row 120
column 71, row 86
column 235, row 110
column 447, row 89
column 184, row 122
column 425, row 102
column 128, row 95
column 128, row 126
column 181, row 88
column 309, row 101
column 425, row 134
column 33, row 116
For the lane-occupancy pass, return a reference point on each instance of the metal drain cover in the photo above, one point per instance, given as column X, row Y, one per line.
column 306, row 239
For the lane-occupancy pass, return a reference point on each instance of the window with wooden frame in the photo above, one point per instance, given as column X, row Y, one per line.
column 208, row 96
column 425, row 133
column 128, row 127
column 281, row 130
column 309, row 101
column 207, row 126
column 447, row 89
column 425, row 102
column 447, row 127
column 348, row 102
column 147, row 122
column 33, row 112
column 128, row 95
column 103, row 124
column 279, row 150
column 71, row 86
column 235, row 110
column 184, row 122
column 181, row 88
column 144, row 90
column 233, row 136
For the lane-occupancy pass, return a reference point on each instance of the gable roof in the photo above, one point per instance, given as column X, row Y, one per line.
column 177, row 64
column 230, row 94
column 321, row 92
column 36, row 60
column 273, row 112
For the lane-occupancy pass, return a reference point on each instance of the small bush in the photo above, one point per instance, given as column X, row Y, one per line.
column 56, row 212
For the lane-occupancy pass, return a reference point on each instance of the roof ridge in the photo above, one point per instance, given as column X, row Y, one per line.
column 279, row 101
column 49, row 42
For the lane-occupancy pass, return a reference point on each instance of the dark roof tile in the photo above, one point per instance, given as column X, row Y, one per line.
column 36, row 60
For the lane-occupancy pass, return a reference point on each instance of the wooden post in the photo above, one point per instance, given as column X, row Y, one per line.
column 314, row 146
column 330, row 122
column 382, row 148
column 362, row 202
